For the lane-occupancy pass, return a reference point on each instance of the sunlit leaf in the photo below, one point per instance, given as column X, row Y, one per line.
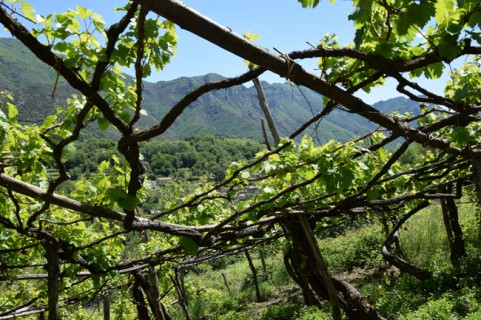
column 309, row 3
column 28, row 10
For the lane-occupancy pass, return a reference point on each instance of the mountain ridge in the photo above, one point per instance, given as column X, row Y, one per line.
column 231, row 112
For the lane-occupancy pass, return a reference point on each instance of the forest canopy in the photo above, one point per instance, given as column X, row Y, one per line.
column 63, row 247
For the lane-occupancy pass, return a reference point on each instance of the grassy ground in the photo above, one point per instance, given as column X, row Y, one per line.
column 451, row 293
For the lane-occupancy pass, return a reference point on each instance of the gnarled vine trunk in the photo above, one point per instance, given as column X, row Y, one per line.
column 139, row 300
column 53, row 270
column 151, row 290
column 402, row 264
column 453, row 229
column 305, row 267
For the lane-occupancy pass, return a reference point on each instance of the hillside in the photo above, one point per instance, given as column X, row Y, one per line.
column 232, row 112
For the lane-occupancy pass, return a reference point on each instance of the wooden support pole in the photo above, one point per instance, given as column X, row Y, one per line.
column 254, row 275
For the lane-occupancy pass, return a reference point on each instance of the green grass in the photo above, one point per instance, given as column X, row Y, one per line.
column 423, row 238
column 360, row 247
column 209, row 297
column 450, row 293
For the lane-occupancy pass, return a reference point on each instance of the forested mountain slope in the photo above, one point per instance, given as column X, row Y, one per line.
column 232, row 112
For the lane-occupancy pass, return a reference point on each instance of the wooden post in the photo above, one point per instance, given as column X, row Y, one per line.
column 106, row 305
column 453, row 229
column 329, row 284
column 53, row 270
column 139, row 300
column 254, row 274
column 181, row 297
column 151, row 288
column 181, row 278
column 225, row 282
column 264, row 133
column 263, row 263
column 266, row 110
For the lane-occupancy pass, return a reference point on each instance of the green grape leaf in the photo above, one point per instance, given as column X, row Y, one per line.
column 61, row 46
column 96, row 280
column 83, row 13
column 346, row 178
column 12, row 110
column 461, row 135
column 443, row 9
column 103, row 124
column 129, row 202
column 358, row 39
column 251, row 36
column 403, row 25
column 475, row 19
column 434, row 71
column 28, row 10
column 420, row 13
column 189, row 246
column 448, row 47
column 49, row 120
column 309, row 3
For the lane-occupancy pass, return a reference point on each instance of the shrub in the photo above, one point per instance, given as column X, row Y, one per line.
column 474, row 316
column 281, row 312
column 233, row 315
column 435, row 309
column 356, row 248
column 398, row 300
column 314, row 313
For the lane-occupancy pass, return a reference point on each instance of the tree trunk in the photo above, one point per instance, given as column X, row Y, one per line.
column 311, row 273
column 181, row 296
column 401, row 264
column 53, row 270
column 106, row 306
column 263, row 263
column 301, row 232
column 154, row 296
column 453, row 229
column 151, row 289
column 355, row 306
column 294, row 269
column 138, row 299
column 322, row 266
column 254, row 275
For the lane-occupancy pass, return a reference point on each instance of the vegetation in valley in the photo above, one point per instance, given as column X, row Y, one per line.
column 188, row 159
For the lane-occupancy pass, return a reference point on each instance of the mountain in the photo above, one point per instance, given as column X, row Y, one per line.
column 232, row 112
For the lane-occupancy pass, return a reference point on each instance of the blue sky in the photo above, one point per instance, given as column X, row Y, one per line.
column 283, row 24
